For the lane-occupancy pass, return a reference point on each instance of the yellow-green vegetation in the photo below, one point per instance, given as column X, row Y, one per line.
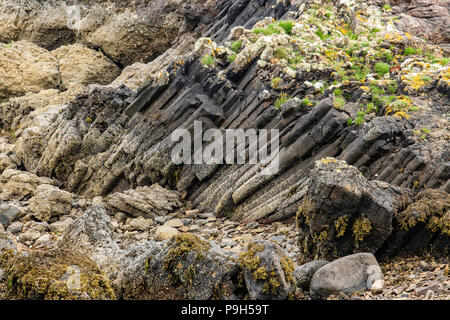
column 281, row 53
column 286, row 25
column 208, row 60
column 236, row 46
column 182, row 245
column 250, row 261
column 281, row 100
column 307, row 103
column 381, row 68
column 232, row 57
column 340, row 224
column 306, row 209
column 44, row 275
column 361, row 228
column 430, row 207
column 339, row 102
column 275, row 83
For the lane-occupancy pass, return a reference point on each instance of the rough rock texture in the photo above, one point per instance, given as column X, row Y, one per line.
column 303, row 274
column 49, row 201
column 267, row 271
column 342, row 212
column 56, row 274
column 79, row 65
column 347, row 274
column 20, row 184
column 148, row 202
column 25, row 67
column 92, row 234
column 186, row 267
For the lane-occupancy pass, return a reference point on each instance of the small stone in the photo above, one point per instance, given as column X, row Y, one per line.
column 377, row 286
column 44, row 239
column 15, row 227
column 184, row 229
column 97, row 201
column 165, row 232
column 194, row 227
column 423, row 265
column 175, row 223
column 161, row 219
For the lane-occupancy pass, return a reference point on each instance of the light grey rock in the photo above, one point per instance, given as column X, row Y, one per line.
column 303, row 274
column 15, row 227
column 165, row 232
column 49, row 201
column 347, row 274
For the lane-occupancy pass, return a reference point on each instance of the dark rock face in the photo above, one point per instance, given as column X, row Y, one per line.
column 342, row 213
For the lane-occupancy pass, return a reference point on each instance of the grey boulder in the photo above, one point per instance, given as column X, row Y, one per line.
column 348, row 274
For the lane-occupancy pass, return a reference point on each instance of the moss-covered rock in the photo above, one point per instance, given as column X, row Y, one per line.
column 268, row 272
column 56, row 274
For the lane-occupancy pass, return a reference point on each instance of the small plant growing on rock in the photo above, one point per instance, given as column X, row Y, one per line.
column 208, row 60
column 307, row 102
column 236, row 46
column 275, row 83
column 409, row 51
column 281, row 53
column 286, row 25
column 339, row 102
column 269, row 30
column 381, row 68
column 281, row 100
column 232, row 57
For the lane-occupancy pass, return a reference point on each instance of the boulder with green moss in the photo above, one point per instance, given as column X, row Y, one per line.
column 185, row 267
column 343, row 212
column 55, row 274
column 268, row 272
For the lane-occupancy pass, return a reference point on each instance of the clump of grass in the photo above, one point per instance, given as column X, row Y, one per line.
column 361, row 72
column 306, row 102
column 337, row 92
column 286, row 25
column 236, row 46
column 426, row 78
column 339, row 102
column 392, row 88
column 269, row 30
column 232, row 57
column 322, row 34
column 359, row 121
column 281, row 100
column 370, row 107
column 409, row 51
column 388, row 56
column 381, row 68
column 386, row 7
column 275, row 82
column 208, row 60
column 281, row 53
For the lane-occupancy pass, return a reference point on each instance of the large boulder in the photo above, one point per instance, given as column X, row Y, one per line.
column 303, row 273
column 268, row 272
column 343, row 212
column 347, row 274
column 56, row 274
column 186, row 267
column 92, row 234
column 25, row 67
column 49, row 201
column 80, row 65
